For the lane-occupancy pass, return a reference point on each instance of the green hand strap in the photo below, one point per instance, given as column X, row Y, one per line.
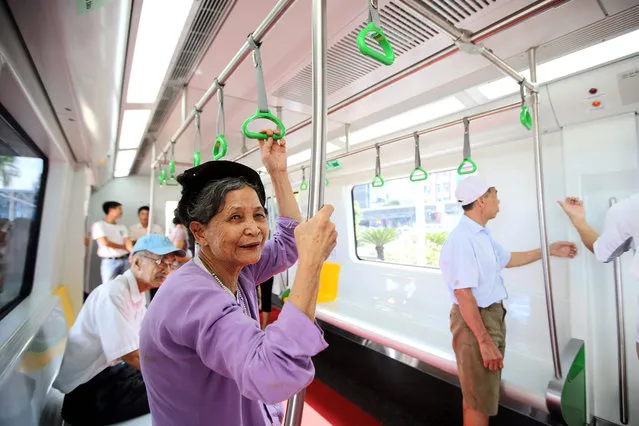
column 378, row 181
column 197, row 143
column 524, row 116
column 262, row 100
column 220, row 146
column 374, row 28
column 467, row 161
column 418, row 174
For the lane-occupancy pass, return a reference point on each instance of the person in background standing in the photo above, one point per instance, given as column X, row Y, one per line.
column 113, row 241
column 139, row 230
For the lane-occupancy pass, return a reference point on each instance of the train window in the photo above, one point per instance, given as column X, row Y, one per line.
column 406, row 222
column 23, row 169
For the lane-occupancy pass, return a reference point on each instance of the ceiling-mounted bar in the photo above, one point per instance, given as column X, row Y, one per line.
column 545, row 252
column 411, row 135
column 525, row 13
column 463, row 40
column 318, row 154
column 265, row 26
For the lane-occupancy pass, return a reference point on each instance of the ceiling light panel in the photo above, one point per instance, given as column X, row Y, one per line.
column 160, row 27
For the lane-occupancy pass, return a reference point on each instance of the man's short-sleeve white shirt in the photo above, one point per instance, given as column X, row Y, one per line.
column 107, row 328
column 114, row 233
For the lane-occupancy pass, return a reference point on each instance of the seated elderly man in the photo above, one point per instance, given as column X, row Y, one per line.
column 100, row 373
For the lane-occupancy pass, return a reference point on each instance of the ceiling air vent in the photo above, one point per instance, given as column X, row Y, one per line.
column 404, row 30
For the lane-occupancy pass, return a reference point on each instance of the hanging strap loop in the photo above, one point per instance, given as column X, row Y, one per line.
column 418, row 173
column 220, row 108
column 374, row 28
column 171, row 180
column 220, row 146
column 303, row 184
column 262, row 99
column 162, row 176
column 197, row 143
column 467, row 161
column 378, row 181
column 373, row 13
column 524, row 116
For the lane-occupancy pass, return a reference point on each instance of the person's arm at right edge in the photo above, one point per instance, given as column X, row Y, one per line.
column 315, row 240
column 574, row 209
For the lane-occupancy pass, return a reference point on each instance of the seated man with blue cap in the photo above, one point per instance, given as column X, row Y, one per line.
column 100, row 373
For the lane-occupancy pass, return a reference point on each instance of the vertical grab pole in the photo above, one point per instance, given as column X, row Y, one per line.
column 151, row 190
column 545, row 253
column 621, row 339
column 318, row 155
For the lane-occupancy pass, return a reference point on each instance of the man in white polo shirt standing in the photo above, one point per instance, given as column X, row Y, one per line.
column 471, row 262
column 113, row 242
column 100, row 373
column 620, row 232
column 140, row 229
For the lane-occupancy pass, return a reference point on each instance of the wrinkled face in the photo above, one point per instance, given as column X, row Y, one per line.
column 237, row 233
column 152, row 269
column 144, row 217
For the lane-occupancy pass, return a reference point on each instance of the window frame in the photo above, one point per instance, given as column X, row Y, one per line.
column 385, row 262
column 28, row 275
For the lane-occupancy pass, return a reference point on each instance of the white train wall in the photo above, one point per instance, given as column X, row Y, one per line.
column 591, row 154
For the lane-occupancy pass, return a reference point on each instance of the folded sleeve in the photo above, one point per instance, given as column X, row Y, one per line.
column 268, row 366
column 279, row 253
column 503, row 255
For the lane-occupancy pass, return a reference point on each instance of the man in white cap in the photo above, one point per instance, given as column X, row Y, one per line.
column 471, row 262
column 100, row 373
column 620, row 232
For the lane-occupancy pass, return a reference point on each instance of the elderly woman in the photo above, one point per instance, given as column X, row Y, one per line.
column 204, row 358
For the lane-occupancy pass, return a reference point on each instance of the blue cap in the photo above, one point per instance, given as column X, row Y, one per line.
column 157, row 244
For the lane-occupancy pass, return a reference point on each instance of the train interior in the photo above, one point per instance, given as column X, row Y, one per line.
column 98, row 98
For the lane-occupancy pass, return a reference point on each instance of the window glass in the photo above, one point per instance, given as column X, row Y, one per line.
column 22, row 175
column 406, row 222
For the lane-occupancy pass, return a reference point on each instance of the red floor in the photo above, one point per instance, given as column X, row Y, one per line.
column 324, row 406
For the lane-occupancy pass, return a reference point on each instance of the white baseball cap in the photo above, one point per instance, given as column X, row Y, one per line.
column 470, row 189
